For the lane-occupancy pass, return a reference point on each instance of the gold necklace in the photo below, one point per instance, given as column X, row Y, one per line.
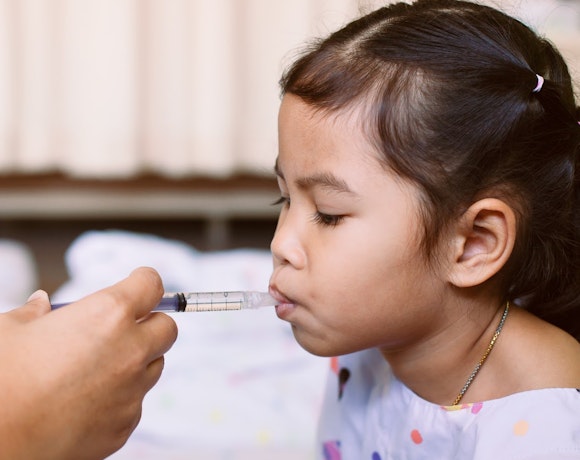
column 484, row 357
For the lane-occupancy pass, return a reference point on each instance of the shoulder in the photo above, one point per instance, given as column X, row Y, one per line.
column 546, row 356
column 536, row 424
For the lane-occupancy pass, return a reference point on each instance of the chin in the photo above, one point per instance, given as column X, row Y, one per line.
column 319, row 346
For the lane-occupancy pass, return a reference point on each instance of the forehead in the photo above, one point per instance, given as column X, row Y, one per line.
column 313, row 138
column 297, row 114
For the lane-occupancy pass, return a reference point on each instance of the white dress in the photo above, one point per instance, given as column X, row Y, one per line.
column 368, row 414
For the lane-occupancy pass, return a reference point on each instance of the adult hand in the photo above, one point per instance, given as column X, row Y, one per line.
column 72, row 380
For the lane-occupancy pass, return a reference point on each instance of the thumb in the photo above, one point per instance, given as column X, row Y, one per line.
column 38, row 304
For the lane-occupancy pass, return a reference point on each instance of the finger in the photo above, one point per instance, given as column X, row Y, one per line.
column 37, row 305
column 139, row 293
column 159, row 332
column 153, row 373
column 145, row 288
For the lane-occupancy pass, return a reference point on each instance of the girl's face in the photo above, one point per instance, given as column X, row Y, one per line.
column 348, row 271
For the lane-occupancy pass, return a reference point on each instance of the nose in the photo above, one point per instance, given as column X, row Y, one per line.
column 287, row 245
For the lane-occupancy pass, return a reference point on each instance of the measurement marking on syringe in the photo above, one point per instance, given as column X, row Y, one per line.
column 218, row 306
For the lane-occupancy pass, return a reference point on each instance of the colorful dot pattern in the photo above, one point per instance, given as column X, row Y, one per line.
column 520, row 428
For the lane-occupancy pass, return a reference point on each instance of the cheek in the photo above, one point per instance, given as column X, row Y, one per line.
column 361, row 271
column 367, row 304
column 375, row 263
column 373, row 251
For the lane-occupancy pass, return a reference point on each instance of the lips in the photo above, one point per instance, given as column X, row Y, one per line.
column 284, row 306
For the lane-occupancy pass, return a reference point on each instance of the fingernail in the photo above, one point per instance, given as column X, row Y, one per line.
column 38, row 295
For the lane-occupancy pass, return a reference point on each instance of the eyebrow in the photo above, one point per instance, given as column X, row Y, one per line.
column 324, row 180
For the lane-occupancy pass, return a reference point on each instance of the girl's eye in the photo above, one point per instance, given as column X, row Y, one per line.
column 327, row 220
column 282, row 200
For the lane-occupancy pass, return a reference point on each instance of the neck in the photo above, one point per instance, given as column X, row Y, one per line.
column 436, row 367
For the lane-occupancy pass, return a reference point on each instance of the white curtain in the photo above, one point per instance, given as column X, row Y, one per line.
column 115, row 88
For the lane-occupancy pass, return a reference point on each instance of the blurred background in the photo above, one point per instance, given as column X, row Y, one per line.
column 160, row 116
column 143, row 132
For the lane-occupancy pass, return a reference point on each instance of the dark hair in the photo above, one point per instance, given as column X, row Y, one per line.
column 449, row 91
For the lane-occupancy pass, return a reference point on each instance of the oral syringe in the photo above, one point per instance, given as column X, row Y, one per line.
column 214, row 301
column 208, row 301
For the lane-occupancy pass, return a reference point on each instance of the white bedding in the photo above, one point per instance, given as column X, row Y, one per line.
column 235, row 385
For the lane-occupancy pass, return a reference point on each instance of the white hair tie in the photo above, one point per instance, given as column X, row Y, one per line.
column 538, row 87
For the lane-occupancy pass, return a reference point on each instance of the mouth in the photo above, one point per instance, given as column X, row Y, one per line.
column 284, row 306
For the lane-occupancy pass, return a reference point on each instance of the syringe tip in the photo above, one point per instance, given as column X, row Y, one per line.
column 259, row 299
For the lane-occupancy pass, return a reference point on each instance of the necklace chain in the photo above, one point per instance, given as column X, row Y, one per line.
column 484, row 357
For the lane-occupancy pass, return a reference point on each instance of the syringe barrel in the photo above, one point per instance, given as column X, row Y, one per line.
column 214, row 301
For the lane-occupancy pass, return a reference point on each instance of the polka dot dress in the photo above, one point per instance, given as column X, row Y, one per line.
column 370, row 415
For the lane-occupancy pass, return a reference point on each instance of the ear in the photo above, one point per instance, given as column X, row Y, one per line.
column 482, row 242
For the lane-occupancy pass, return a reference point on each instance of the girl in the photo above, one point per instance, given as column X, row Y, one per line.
column 429, row 236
